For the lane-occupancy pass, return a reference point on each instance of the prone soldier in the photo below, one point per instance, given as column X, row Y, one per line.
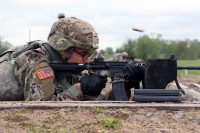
column 26, row 73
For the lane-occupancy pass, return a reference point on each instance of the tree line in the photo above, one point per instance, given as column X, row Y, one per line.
column 146, row 47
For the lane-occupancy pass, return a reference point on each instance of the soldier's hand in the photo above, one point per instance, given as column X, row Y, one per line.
column 92, row 84
column 134, row 74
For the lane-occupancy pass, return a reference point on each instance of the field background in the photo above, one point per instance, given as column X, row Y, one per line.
column 188, row 73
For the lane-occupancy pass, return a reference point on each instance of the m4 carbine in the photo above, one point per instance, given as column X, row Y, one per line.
column 112, row 69
column 158, row 74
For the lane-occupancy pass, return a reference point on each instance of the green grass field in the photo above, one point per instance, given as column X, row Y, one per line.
column 183, row 73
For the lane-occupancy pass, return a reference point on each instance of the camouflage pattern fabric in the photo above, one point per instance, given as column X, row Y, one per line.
column 121, row 56
column 24, row 83
column 25, row 66
column 9, row 90
column 29, row 86
column 68, row 32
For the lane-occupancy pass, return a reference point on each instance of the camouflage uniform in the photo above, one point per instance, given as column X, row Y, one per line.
column 29, row 75
column 101, row 54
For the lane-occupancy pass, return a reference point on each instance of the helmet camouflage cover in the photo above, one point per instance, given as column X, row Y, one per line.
column 124, row 54
column 73, row 32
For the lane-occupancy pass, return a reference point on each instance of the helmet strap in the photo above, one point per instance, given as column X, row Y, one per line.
column 68, row 54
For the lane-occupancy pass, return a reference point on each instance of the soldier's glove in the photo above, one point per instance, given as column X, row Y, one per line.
column 134, row 74
column 92, row 84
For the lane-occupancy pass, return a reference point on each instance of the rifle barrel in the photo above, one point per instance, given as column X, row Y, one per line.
column 188, row 67
column 68, row 67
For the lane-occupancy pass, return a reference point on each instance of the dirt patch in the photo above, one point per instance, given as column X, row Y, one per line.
column 101, row 120
column 107, row 120
column 16, row 118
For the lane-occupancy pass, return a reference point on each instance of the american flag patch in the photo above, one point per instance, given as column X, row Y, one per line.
column 44, row 73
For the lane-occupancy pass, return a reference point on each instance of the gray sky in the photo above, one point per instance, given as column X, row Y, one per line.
column 112, row 19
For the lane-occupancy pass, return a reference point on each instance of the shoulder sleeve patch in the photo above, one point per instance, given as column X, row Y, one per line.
column 44, row 73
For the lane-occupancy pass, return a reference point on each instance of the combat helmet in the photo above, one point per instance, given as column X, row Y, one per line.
column 124, row 54
column 72, row 32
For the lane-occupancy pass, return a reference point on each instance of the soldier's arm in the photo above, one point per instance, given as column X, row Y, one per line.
column 34, row 75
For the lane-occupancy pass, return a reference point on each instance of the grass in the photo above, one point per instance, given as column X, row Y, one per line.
column 56, row 117
column 110, row 123
column 78, row 109
column 35, row 127
column 31, row 127
column 18, row 111
column 188, row 73
column 97, row 110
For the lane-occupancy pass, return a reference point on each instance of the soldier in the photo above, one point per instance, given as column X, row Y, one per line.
column 121, row 57
column 125, row 56
column 27, row 74
column 101, row 54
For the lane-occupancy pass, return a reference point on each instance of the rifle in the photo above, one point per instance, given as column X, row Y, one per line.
column 158, row 73
column 114, row 70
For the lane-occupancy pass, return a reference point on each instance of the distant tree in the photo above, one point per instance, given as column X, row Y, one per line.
column 148, row 48
column 109, row 51
column 129, row 47
column 191, row 50
column 182, row 49
column 152, row 47
column 169, row 48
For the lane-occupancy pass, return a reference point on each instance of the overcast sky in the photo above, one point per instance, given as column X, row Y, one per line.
column 112, row 19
